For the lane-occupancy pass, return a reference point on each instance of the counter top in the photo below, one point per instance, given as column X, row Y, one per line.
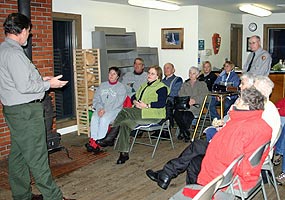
column 271, row 72
column 277, row 72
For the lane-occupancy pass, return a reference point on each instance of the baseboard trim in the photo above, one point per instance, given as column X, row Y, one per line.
column 66, row 130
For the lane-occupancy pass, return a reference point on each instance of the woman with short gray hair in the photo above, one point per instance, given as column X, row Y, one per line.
column 197, row 90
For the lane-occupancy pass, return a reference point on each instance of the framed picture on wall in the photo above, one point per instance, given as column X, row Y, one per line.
column 172, row 38
column 247, row 45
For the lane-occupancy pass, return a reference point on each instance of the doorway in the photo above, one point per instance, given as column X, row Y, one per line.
column 274, row 41
column 66, row 37
column 63, row 65
column 236, row 45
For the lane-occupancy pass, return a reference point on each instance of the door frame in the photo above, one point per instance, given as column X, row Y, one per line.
column 238, row 42
column 76, row 26
column 76, row 44
column 266, row 27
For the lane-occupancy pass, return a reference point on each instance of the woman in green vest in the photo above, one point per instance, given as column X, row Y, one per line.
column 148, row 107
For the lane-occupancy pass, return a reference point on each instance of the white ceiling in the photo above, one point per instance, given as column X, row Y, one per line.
column 225, row 5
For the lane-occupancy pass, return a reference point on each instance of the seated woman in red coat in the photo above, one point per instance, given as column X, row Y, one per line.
column 242, row 135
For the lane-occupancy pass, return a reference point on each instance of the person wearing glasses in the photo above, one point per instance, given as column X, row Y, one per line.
column 242, row 135
column 227, row 77
column 259, row 60
column 148, row 107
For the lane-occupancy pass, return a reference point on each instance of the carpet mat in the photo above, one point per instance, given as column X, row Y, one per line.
column 60, row 164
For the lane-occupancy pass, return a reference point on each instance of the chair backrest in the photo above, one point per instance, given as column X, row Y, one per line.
column 256, row 156
column 273, row 142
column 229, row 172
column 209, row 190
column 254, row 160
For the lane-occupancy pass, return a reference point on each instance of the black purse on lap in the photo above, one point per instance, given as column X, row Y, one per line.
column 181, row 103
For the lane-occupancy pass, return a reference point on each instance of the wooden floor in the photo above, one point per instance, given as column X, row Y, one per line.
column 105, row 180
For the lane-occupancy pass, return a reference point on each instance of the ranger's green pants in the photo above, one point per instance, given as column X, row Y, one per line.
column 28, row 152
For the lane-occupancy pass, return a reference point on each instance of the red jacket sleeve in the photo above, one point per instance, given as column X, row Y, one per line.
column 280, row 105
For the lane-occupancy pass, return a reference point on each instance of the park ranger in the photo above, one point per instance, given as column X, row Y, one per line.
column 259, row 60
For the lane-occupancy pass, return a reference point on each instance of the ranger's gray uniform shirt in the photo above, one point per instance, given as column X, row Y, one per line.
column 261, row 63
column 20, row 81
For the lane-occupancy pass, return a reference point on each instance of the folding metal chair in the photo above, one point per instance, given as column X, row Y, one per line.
column 165, row 126
column 229, row 172
column 228, row 176
column 254, row 160
column 205, row 192
column 268, row 166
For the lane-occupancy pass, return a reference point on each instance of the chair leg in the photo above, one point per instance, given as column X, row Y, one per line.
column 268, row 178
column 149, row 137
column 263, row 190
column 134, row 139
column 274, row 181
column 156, row 144
column 116, row 140
column 170, row 137
column 177, row 131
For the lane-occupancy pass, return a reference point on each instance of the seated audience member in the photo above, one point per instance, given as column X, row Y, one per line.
column 107, row 102
column 133, row 80
column 149, row 107
column 280, row 145
column 270, row 114
column 174, row 83
column 242, row 135
column 197, row 91
column 247, row 80
column 208, row 76
column 227, row 77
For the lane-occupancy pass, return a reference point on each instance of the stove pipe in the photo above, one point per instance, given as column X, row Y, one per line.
column 24, row 7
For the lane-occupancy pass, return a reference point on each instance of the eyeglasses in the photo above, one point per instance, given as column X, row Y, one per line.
column 152, row 74
column 250, row 43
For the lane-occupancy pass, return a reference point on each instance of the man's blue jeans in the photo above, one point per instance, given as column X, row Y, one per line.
column 227, row 104
column 280, row 144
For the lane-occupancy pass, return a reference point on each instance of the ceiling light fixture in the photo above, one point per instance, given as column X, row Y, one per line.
column 280, row 5
column 255, row 10
column 153, row 4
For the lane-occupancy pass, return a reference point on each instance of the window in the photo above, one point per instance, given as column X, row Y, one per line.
column 274, row 41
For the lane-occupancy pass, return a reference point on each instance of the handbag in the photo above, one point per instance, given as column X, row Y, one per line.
column 181, row 103
column 224, row 89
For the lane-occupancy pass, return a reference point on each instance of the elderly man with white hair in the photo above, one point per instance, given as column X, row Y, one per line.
column 259, row 60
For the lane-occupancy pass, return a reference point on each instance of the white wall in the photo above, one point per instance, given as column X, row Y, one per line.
column 185, row 18
column 260, row 21
column 198, row 23
column 214, row 21
column 106, row 14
